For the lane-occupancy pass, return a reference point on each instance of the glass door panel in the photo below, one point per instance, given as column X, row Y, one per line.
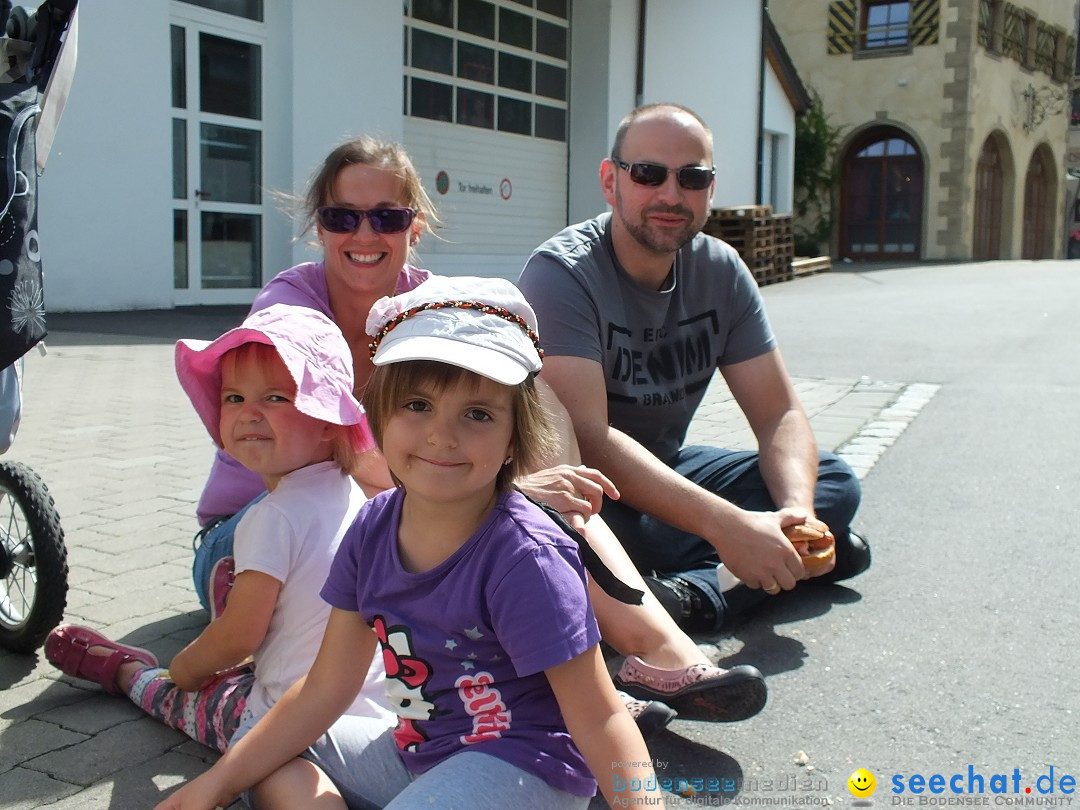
column 230, row 161
column 217, row 162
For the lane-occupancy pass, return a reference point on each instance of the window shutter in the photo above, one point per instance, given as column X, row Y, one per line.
column 925, row 16
column 841, row 33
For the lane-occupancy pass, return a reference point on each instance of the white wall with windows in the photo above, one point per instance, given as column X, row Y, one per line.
column 186, row 116
column 486, row 105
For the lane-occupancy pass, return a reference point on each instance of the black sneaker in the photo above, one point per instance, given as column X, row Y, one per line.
column 852, row 558
column 685, row 602
column 651, row 716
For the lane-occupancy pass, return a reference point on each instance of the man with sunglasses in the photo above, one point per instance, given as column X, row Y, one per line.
column 637, row 311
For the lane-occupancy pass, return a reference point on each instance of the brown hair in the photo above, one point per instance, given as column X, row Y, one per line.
column 347, row 441
column 391, row 383
column 364, row 150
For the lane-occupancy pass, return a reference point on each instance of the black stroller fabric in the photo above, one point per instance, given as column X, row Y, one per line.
column 22, row 319
column 29, row 50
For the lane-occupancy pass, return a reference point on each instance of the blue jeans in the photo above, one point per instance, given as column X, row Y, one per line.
column 370, row 774
column 211, row 543
column 735, row 476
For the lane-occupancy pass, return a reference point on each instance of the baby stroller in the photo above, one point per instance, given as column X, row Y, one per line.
column 33, row 558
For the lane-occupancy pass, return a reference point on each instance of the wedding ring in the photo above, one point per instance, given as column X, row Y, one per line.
column 774, row 588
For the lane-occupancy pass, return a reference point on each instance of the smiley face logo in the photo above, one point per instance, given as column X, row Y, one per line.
column 862, row 783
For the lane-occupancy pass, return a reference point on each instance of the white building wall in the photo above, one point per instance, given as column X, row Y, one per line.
column 104, row 201
column 346, row 80
column 333, row 69
column 711, row 62
column 603, row 72
column 779, row 121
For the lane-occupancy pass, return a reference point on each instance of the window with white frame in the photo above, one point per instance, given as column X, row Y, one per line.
column 496, row 64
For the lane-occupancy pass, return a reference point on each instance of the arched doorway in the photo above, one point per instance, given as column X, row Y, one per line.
column 1040, row 187
column 881, row 209
column 989, row 192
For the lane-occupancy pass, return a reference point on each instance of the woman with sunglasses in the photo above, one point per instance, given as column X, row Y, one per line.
column 369, row 210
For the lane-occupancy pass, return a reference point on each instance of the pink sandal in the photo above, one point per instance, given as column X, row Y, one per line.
column 67, row 648
column 698, row 692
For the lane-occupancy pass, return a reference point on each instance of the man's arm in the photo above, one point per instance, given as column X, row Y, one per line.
column 788, row 453
column 751, row 544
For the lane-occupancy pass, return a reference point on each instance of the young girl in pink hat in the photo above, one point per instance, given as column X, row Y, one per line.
column 276, row 393
column 477, row 601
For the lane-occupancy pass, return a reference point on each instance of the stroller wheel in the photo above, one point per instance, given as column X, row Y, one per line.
column 33, row 560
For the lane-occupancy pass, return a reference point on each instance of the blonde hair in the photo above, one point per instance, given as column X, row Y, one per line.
column 346, row 441
column 391, row 383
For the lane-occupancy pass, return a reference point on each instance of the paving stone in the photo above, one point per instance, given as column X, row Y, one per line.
column 25, row 789
column 116, row 748
column 37, row 698
column 31, row 738
column 126, row 478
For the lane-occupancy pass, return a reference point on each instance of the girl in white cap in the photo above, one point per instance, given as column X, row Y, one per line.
column 276, row 392
column 478, row 601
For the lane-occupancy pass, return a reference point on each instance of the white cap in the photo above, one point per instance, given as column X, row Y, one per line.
column 484, row 325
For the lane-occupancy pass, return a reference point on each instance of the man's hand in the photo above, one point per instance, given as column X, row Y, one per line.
column 758, row 552
column 576, row 492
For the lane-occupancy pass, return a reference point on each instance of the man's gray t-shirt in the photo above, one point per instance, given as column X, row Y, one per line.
column 659, row 349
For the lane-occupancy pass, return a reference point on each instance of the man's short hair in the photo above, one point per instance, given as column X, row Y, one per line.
column 647, row 109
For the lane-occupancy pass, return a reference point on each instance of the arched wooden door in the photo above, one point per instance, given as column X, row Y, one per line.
column 881, row 209
column 989, row 186
column 1039, row 194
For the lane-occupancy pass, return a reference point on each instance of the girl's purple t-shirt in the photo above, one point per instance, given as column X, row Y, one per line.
column 230, row 486
column 465, row 645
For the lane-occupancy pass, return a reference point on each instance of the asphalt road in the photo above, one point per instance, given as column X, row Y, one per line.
column 957, row 652
column 954, row 655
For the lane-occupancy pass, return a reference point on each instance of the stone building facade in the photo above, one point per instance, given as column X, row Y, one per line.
column 954, row 118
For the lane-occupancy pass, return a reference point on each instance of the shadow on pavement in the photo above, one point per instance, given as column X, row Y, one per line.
column 691, row 770
column 769, row 651
column 145, row 326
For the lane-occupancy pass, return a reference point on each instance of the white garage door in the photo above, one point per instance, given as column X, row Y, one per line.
column 486, row 86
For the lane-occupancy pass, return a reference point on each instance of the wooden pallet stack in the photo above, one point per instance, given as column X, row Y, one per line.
column 748, row 229
column 784, row 250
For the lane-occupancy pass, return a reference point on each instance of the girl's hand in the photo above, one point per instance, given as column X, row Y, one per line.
column 200, row 794
column 576, row 492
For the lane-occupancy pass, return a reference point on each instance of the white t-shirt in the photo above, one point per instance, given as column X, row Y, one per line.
column 292, row 535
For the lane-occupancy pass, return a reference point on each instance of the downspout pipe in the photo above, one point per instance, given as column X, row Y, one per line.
column 639, row 78
column 759, row 179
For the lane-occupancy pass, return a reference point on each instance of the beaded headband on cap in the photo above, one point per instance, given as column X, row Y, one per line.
column 484, row 325
column 487, row 309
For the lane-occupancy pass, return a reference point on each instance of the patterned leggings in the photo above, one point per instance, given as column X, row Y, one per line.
column 209, row 716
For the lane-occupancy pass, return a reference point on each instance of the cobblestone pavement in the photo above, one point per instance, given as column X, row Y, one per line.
column 107, row 427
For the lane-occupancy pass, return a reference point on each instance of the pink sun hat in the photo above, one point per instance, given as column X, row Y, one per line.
column 313, row 350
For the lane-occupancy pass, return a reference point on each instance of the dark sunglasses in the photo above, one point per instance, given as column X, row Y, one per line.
column 339, row 219
column 692, row 178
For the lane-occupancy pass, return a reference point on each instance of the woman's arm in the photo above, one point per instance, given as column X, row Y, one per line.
column 304, row 713
column 233, row 636
column 602, row 730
